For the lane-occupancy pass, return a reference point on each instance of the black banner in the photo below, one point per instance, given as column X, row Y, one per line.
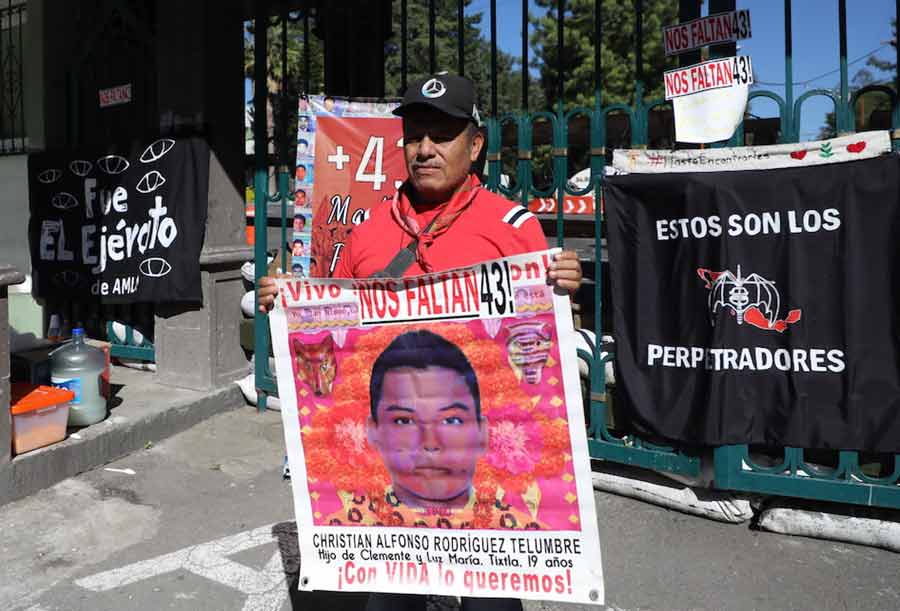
column 119, row 228
column 760, row 307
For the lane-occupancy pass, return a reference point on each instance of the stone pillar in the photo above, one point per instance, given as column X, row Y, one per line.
column 201, row 45
column 198, row 346
column 8, row 275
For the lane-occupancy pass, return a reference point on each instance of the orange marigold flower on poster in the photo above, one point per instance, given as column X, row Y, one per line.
column 529, row 444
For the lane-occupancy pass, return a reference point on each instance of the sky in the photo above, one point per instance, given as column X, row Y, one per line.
column 815, row 48
column 815, row 45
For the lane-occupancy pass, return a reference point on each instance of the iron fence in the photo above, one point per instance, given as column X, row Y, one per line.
column 845, row 476
column 13, row 18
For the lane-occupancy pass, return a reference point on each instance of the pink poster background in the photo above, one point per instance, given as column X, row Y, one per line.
column 529, row 457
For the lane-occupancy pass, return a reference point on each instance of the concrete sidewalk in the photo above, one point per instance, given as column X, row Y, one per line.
column 203, row 521
column 142, row 412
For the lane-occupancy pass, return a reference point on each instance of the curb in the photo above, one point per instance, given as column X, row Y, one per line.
column 149, row 412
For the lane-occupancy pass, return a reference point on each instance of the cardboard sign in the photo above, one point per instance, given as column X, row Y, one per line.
column 115, row 95
column 711, row 30
column 711, row 115
column 712, row 74
column 436, row 436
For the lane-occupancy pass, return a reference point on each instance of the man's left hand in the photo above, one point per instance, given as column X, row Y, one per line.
column 565, row 271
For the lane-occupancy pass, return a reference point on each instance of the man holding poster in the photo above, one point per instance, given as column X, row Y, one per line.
column 441, row 219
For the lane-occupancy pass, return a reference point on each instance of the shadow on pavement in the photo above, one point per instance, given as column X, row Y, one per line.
column 286, row 534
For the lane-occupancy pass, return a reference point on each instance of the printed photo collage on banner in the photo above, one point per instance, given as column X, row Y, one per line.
column 301, row 242
column 349, row 159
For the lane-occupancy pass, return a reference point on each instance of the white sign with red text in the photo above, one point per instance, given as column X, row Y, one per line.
column 115, row 95
column 712, row 74
column 711, row 30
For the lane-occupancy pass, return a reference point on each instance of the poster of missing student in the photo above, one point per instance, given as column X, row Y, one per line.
column 436, row 434
column 349, row 159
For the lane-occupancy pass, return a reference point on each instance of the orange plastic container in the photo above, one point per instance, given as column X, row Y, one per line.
column 39, row 415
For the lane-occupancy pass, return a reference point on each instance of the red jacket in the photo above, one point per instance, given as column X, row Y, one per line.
column 490, row 228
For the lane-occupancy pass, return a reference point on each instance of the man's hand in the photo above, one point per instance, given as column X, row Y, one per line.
column 266, row 293
column 565, row 271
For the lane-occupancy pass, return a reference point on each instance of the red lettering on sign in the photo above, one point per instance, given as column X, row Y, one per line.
column 424, row 301
column 471, row 292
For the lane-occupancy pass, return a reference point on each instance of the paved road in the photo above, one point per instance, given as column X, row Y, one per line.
column 205, row 522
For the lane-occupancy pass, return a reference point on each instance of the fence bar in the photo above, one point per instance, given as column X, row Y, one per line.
column 21, row 105
column 843, row 111
column 598, row 46
column 598, row 160
column 261, row 190
column 282, row 103
column 402, row 47
column 525, row 55
column 560, row 161
column 8, row 145
column 282, row 135
column 688, row 10
column 787, row 127
column 432, row 60
column 494, row 58
column 560, row 14
column 306, row 50
column 639, row 41
column 461, row 38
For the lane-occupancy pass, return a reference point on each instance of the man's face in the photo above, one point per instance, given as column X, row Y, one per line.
column 428, row 435
column 439, row 152
column 303, row 123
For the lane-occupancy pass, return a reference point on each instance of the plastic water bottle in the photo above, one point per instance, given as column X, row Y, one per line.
column 77, row 367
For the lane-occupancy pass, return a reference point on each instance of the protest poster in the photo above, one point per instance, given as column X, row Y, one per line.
column 711, row 30
column 436, row 436
column 349, row 159
column 854, row 147
column 755, row 307
column 119, row 228
column 709, row 98
column 706, row 76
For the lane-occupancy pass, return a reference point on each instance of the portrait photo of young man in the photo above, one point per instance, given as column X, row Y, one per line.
column 425, row 420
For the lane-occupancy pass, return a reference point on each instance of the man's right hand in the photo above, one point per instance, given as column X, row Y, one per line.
column 266, row 293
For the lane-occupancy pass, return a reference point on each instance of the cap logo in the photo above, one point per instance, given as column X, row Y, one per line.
column 433, row 88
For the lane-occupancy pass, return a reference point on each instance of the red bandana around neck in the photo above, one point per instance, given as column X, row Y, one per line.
column 405, row 216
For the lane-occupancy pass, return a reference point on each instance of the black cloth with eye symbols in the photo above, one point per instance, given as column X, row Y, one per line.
column 119, row 227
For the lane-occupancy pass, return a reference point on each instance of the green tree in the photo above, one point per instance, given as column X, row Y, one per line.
column 617, row 51
column 886, row 65
column 282, row 108
column 477, row 54
column 872, row 102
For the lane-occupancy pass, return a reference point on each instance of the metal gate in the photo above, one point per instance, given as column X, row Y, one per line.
column 850, row 477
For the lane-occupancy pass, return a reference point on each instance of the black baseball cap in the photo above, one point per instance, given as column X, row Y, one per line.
column 449, row 93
